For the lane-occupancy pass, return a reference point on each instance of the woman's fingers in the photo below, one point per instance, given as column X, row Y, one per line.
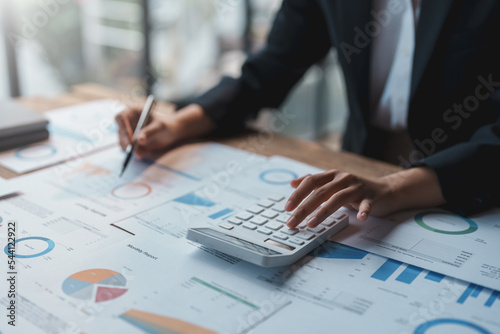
column 127, row 121
column 154, row 137
column 364, row 209
column 322, row 194
column 306, row 186
column 334, row 203
column 325, row 185
column 296, row 182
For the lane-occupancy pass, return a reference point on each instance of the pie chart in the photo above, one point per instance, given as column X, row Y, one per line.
column 98, row 285
column 131, row 190
column 277, row 176
column 36, row 152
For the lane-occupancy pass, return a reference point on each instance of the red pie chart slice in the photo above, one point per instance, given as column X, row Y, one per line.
column 106, row 293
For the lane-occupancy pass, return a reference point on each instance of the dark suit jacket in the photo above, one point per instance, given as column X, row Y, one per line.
column 453, row 117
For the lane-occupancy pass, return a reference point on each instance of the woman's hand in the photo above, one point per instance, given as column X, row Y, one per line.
column 163, row 130
column 412, row 188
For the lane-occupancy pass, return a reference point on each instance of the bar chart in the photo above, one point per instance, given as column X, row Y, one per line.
column 474, row 291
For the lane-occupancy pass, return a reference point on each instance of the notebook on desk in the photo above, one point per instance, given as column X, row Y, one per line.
column 20, row 126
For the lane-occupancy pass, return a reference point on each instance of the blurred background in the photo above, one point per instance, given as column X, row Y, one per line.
column 175, row 49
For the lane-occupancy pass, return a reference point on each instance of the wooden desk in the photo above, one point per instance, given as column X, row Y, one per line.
column 271, row 144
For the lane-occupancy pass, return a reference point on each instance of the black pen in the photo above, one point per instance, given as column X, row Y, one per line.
column 148, row 107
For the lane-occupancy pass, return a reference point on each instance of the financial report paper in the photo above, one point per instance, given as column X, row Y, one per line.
column 79, row 274
column 73, row 131
column 463, row 247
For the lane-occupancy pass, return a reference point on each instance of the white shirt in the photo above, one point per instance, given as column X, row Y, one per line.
column 391, row 63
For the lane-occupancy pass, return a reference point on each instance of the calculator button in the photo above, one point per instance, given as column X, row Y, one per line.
column 317, row 229
column 289, row 231
column 280, row 207
column 234, row 221
column 276, row 198
column 305, row 235
column 255, row 209
column 296, row 241
column 265, row 203
column 226, row 226
column 328, row 222
column 243, row 215
column 264, row 231
column 282, row 218
column 269, row 214
column 258, row 220
column 302, row 225
column 249, row 226
column 274, row 226
column 280, row 236
column 339, row 215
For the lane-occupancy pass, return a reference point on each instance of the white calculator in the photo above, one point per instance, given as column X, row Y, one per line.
column 259, row 234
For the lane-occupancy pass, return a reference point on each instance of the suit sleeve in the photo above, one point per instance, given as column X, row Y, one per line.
column 469, row 172
column 298, row 39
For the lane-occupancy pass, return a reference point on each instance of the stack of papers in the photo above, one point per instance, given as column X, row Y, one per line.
column 20, row 126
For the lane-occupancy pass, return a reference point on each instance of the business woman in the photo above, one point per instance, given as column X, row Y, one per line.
column 421, row 74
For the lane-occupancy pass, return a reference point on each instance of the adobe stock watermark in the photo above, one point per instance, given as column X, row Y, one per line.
column 12, row 274
column 372, row 29
column 29, row 27
column 453, row 116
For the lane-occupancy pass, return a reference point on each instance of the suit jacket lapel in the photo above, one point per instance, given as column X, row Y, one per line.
column 433, row 13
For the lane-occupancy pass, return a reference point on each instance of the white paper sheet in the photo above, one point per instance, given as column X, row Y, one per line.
column 91, row 188
column 465, row 248
column 44, row 238
column 158, row 280
column 74, row 131
column 348, row 290
column 7, row 187
column 173, row 279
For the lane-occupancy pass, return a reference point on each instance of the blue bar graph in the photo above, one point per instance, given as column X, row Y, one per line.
column 220, row 213
column 477, row 291
column 466, row 293
column 434, row 276
column 409, row 274
column 494, row 296
column 386, row 270
column 474, row 290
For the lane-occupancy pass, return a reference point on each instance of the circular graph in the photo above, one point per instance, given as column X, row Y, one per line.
column 277, row 176
column 440, row 222
column 132, row 190
column 112, row 128
column 99, row 285
column 35, row 246
column 36, row 152
column 449, row 326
